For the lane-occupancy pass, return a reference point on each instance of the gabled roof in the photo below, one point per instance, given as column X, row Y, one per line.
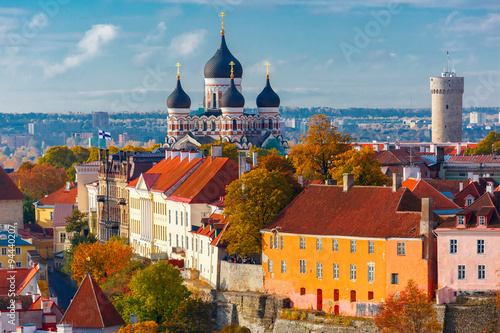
column 484, row 205
column 61, row 212
column 452, row 186
column 422, row 189
column 37, row 305
column 208, row 182
column 362, row 211
column 9, row 190
column 18, row 241
column 474, row 159
column 473, row 188
column 218, row 222
column 60, row 196
column 22, row 277
column 403, row 156
column 91, row 301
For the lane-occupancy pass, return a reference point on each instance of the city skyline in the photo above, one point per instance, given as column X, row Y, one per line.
column 58, row 55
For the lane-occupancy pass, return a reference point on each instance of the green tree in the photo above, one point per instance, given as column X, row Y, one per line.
column 486, row 146
column 28, row 209
column 314, row 155
column 283, row 165
column 410, row 311
column 251, row 202
column 365, row 168
column 81, row 154
column 155, row 292
column 229, row 150
column 77, row 222
column 58, row 156
column 192, row 316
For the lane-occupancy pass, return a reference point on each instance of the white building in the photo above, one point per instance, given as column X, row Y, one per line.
column 478, row 118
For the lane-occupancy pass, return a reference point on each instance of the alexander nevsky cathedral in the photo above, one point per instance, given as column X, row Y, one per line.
column 223, row 116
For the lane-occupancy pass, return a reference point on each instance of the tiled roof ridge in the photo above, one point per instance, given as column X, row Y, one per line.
column 208, row 179
column 181, row 180
column 94, row 293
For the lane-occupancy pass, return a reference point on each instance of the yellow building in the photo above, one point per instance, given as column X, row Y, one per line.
column 44, row 208
column 41, row 238
column 15, row 250
column 345, row 249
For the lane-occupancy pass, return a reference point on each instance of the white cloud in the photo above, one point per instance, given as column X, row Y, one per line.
column 157, row 34
column 88, row 47
column 11, row 11
column 187, row 43
column 475, row 24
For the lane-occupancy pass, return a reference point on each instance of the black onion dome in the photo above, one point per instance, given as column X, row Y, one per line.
column 268, row 98
column 178, row 99
column 232, row 98
column 218, row 65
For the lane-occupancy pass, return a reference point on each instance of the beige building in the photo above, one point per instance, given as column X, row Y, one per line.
column 11, row 201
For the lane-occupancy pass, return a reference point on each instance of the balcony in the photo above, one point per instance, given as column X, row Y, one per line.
column 122, row 201
column 110, row 224
column 101, row 198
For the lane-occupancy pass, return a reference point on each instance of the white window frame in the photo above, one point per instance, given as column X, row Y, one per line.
column 283, row 266
column 18, row 251
column 270, row 265
column 336, row 271
column 319, row 270
column 394, row 278
column 401, row 249
column 302, row 243
column 371, row 273
column 319, row 244
column 482, row 220
column 371, row 247
column 461, row 272
column 352, row 272
column 353, row 246
column 460, row 220
column 453, row 246
column 303, row 267
column 335, row 245
column 481, row 272
column 480, row 246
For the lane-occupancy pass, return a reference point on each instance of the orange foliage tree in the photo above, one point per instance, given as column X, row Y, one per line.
column 103, row 261
column 410, row 311
column 144, row 327
column 39, row 180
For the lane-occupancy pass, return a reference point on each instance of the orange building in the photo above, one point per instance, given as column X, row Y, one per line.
column 344, row 249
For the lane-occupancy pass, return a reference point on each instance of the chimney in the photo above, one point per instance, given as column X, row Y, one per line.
column 396, row 181
column 68, row 186
column 46, row 306
column 470, row 175
column 184, row 155
column 19, row 305
column 216, row 151
column 348, row 181
column 426, row 227
column 54, row 299
column 64, row 328
column 489, row 188
column 194, row 154
column 460, row 186
column 133, row 319
column 300, row 179
column 26, row 328
column 34, row 297
column 419, row 175
column 175, row 153
column 458, row 148
column 440, row 155
column 376, row 147
column 168, row 153
column 386, row 146
column 475, row 178
column 242, row 163
column 254, row 158
column 398, row 145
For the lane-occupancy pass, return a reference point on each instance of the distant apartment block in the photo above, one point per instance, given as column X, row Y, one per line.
column 100, row 119
column 17, row 141
column 478, row 118
column 83, row 136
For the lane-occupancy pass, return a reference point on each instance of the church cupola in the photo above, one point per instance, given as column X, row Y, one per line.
column 232, row 101
column 178, row 103
column 268, row 101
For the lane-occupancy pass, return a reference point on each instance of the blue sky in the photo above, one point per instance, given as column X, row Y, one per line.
column 81, row 56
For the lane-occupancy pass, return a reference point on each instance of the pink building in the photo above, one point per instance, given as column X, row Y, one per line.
column 469, row 250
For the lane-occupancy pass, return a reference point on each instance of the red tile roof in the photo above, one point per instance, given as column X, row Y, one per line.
column 474, row 159
column 218, row 221
column 61, row 212
column 9, row 190
column 37, row 305
column 452, row 186
column 22, row 277
column 208, row 182
column 61, row 196
column 31, row 274
column 91, row 308
column 473, row 188
column 423, row 190
column 360, row 212
column 481, row 205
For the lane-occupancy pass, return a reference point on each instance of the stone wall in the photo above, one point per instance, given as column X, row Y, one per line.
column 472, row 314
column 299, row 326
column 240, row 277
column 12, row 212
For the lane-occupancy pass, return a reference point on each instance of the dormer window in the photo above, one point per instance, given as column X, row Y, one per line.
column 482, row 220
column 460, row 220
column 469, row 200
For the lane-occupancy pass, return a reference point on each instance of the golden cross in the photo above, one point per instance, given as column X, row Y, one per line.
column 222, row 14
column 178, row 71
column 267, row 68
column 232, row 64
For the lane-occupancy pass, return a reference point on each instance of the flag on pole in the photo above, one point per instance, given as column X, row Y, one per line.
column 104, row 135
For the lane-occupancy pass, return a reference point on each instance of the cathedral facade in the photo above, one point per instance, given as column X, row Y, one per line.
column 223, row 117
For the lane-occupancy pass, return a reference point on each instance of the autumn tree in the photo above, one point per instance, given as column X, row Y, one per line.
column 410, row 311
column 486, row 146
column 143, row 327
column 155, row 292
column 314, row 155
column 229, row 150
column 41, row 180
column 101, row 260
column 58, row 156
column 234, row 328
column 283, row 165
column 192, row 316
column 251, row 202
column 366, row 169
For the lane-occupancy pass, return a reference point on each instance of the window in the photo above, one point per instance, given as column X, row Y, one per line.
column 370, row 295
column 482, row 220
column 176, row 240
column 18, row 251
column 169, row 239
column 353, row 246
column 480, row 246
column 401, row 249
column 335, row 245
column 196, row 244
column 281, row 242
column 169, row 216
column 469, row 201
column 182, row 217
column 461, row 272
column 394, row 278
column 319, row 245
column 453, row 246
column 319, row 270
column 176, row 217
column 201, row 246
column 62, row 237
column 4, row 251
column 302, row 243
column 19, row 264
column 51, row 215
column 371, row 247
column 187, row 243
column 302, row 266
column 371, row 273
column 353, row 273
column 460, row 220
column 336, row 271
column 271, row 242
column 283, row 266
column 481, row 272
column 302, row 291
column 270, row 266
column 187, row 218
column 276, row 241
column 353, row 295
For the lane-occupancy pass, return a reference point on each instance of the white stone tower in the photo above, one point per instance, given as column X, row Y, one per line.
column 447, row 93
